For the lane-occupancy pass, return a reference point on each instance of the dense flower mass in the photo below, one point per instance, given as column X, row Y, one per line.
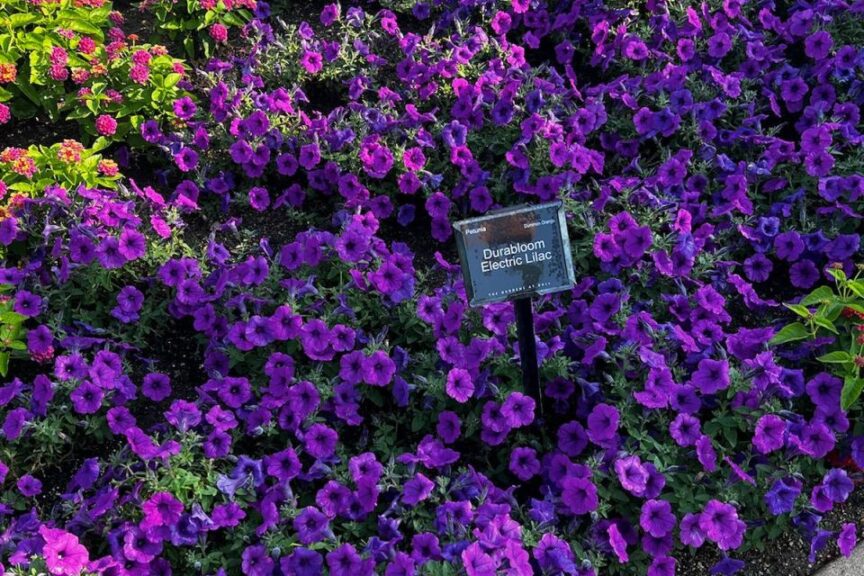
column 255, row 354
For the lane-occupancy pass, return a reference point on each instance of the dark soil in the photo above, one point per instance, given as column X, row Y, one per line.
column 786, row 556
column 324, row 97
column 177, row 352
column 38, row 130
column 296, row 11
column 277, row 226
column 418, row 237
column 135, row 20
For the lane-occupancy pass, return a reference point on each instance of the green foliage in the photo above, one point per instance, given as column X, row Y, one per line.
column 12, row 330
column 189, row 20
column 837, row 313
column 67, row 164
column 59, row 59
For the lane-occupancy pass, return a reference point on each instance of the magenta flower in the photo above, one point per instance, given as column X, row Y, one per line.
column 184, row 108
column 618, row 543
column 64, row 554
column 186, row 159
column 414, row 159
column 106, row 125
column 312, row 62
column 161, row 509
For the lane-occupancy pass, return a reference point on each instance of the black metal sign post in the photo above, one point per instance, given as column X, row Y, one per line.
column 528, row 349
column 515, row 254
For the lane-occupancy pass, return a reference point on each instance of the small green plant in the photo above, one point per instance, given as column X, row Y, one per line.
column 28, row 172
column 12, row 329
column 840, row 312
column 69, row 59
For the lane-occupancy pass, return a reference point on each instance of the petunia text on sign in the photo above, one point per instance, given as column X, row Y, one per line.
column 515, row 253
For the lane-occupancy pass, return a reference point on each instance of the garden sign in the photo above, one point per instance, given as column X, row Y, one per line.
column 515, row 254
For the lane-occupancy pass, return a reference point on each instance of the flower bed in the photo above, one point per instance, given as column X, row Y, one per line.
column 260, row 359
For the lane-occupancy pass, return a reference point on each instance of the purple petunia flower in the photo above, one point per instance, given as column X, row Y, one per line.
column 459, row 385
column 618, row 543
column 161, row 509
column 184, row 108
column 320, row 441
column 803, row 274
column 837, row 485
column 719, row 521
column 417, row 489
column 781, row 497
column 87, row 398
column 602, row 423
column 632, row 475
column 579, row 495
column 378, row 369
column 449, row 426
column 259, row 199
column 109, row 254
column 657, row 518
column 303, row 562
column 524, row 463
column 255, row 561
column 156, row 386
column 847, row 539
column 311, row 525
column 572, row 439
column 186, row 159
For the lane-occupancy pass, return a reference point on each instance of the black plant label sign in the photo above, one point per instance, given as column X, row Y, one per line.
column 516, row 252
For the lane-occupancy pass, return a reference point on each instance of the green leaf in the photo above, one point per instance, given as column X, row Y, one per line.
column 26, row 88
column 837, row 357
column 825, row 323
column 832, row 311
column 790, row 333
column 838, row 274
column 857, row 286
column 19, row 20
column 821, row 295
column 852, row 388
column 731, row 435
column 100, row 144
column 83, row 27
column 233, row 19
column 10, row 317
column 799, row 309
column 189, row 45
column 171, row 80
column 4, row 363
